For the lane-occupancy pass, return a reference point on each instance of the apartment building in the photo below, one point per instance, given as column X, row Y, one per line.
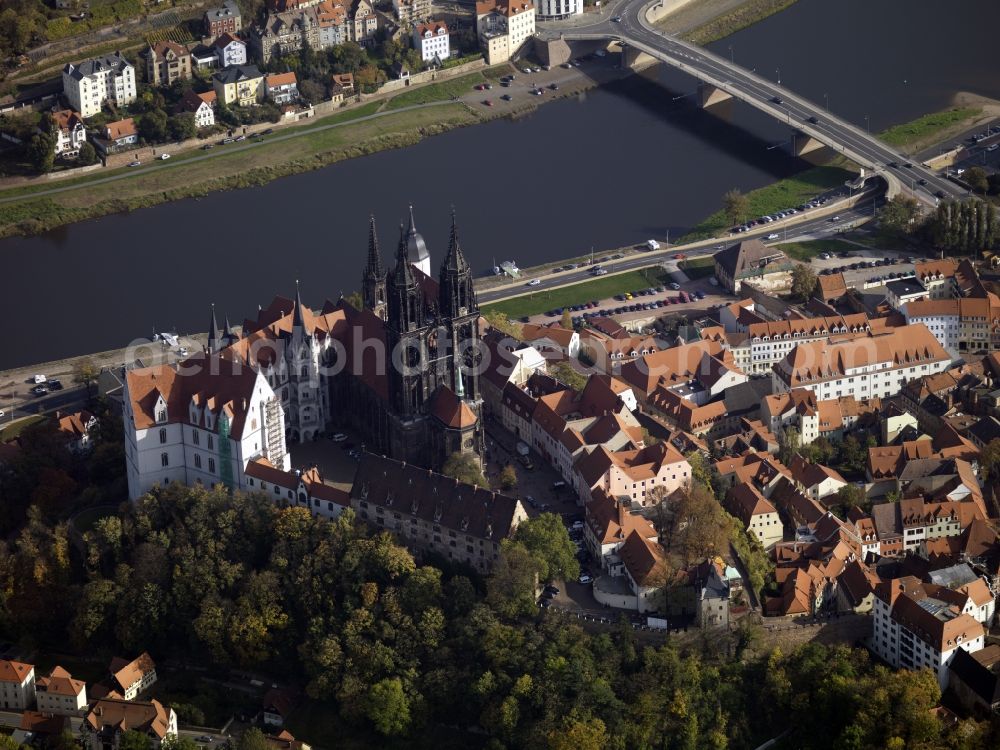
column 917, row 625
column 504, row 26
column 17, row 685
column 90, row 84
column 960, row 324
column 876, row 365
column 430, row 511
column 60, row 694
column 431, row 40
column 759, row 517
column 167, row 62
column 770, row 342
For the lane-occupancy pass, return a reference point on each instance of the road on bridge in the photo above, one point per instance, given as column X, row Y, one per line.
column 626, row 22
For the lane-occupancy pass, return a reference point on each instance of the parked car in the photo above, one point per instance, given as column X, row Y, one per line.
column 339, row 437
column 54, row 385
column 40, row 390
column 585, row 578
column 164, row 157
column 135, row 163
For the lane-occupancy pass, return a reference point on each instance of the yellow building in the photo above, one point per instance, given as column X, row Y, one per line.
column 240, row 85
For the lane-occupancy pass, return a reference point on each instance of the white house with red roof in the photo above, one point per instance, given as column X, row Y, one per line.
column 17, row 685
column 432, row 41
column 60, row 694
column 201, row 420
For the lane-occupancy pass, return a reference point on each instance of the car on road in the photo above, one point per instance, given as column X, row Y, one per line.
column 813, row 119
column 773, row 236
column 777, row 100
column 680, row 256
column 994, row 147
column 616, row 19
column 921, row 181
column 833, row 219
column 534, row 282
column 600, row 272
column 893, row 165
column 908, row 165
column 135, row 163
column 203, row 738
column 2, row 413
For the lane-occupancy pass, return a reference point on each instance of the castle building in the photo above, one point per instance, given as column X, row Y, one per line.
column 402, row 371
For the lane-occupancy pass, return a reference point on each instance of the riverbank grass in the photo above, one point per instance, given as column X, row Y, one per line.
column 698, row 268
column 436, row 92
column 736, row 20
column 809, row 249
column 237, row 169
column 535, row 303
column 785, row 193
column 924, row 131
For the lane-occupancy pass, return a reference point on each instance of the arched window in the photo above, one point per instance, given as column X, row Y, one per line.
column 164, row 459
column 163, row 436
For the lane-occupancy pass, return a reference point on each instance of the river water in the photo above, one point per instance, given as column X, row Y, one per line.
column 617, row 165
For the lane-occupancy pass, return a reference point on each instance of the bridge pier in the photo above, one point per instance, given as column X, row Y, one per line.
column 805, row 144
column 636, row 60
column 709, row 95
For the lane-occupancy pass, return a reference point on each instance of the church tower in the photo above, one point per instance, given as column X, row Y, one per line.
column 407, row 335
column 459, row 314
column 373, row 278
column 214, row 336
column 416, row 249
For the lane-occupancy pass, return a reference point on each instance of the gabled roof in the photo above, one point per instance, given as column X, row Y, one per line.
column 121, row 715
column 128, row 673
column 980, row 671
column 746, row 502
column 611, row 522
column 644, row 560
column 450, row 410
column 14, row 671
column 739, row 259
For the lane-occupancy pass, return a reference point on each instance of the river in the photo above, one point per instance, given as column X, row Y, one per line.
column 614, row 166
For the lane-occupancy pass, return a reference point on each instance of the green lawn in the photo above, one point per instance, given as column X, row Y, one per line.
column 927, row 126
column 602, row 288
column 11, row 430
column 808, row 250
column 436, row 92
column 785, row 193
column 698, row 268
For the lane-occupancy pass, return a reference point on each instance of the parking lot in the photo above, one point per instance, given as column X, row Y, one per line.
column 865, row 265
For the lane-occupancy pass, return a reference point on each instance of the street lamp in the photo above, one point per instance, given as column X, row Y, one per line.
column 868, row 128
column 777, row 72
column 826, row 97
column 732, row 57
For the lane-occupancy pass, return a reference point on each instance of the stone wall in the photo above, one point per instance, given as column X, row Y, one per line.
column 391, row 87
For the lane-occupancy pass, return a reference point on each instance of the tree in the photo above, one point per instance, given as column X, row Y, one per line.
column 152, row 126
column 85, row 373
column 989, row 460
column 567, row 319
column 132, row 739
column 564, row 372
column 87, row 154
column 252, row 739
column 41, row 151
column 899, row 215
column 173, row 742
column 546, row 538
column 789, row 444
column 504, row 324
column 465, row 468
column 736, row 206
column 312, row 91
column 976, row 179
column 577, row 734
column 65, row 740
column 182, row 126
column 803, row 281
column 388, row 707
column 508, row 477
column 850, row 496
column 695, row 525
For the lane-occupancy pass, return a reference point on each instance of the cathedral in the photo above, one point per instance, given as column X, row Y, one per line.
column 401, row 372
